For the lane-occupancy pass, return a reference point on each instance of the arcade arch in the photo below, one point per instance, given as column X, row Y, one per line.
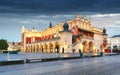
column 57, row 47
column 51, row 47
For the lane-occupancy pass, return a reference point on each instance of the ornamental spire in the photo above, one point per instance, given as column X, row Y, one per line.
column 23, row 29
column 50, row 26
column 33, row 28
column 77, row 16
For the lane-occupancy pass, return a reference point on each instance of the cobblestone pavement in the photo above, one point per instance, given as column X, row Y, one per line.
column 107, row 65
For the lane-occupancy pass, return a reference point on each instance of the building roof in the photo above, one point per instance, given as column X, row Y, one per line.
column 115, row 36
column 75, row 36
column 86, row 30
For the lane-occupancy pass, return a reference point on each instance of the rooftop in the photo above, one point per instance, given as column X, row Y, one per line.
column 115, row 36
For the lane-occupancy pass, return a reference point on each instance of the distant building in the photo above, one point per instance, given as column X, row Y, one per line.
column 114, row 41
column 14, row 46
column 67, row 37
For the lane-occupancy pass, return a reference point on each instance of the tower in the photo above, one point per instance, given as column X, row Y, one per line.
column 23, row 29
column 104, row 39
column 23, row 38
column 66, row 39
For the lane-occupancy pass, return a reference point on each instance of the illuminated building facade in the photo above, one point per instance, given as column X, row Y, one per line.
column 14, row 46
column 114, row 41
column 67, row 37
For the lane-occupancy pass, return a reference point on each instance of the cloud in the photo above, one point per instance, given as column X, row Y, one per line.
column 52, row 7
column 117, row 22
column 39, row 13
column 22, row 21
column 105, row 15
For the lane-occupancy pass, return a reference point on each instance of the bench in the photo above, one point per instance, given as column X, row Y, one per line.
column 40, row 60
column 111, row 54
column 32, row 60
column 11, row 62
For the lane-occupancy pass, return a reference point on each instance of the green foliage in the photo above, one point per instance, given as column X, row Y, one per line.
column 108, row 47
column 3, row 44
column 115, row 47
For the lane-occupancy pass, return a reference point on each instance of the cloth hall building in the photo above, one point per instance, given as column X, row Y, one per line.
column 67, row 37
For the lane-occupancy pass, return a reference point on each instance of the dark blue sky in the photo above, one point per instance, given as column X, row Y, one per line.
column 38, row 13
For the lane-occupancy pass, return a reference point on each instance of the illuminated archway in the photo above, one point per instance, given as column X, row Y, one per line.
column 33, row 48
column 41, row 48
column 57, row 47
column 51, row 47
column 26, row 48
column 36, row 48
column 30, row 48
column 45, row 47
column 91, row 47
column 85, row 47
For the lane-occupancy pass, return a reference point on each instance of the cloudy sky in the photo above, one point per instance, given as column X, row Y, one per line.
column 38, row 13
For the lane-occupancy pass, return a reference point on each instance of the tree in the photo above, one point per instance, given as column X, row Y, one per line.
column 3, row 44
column 115, row 47
column 108, row 47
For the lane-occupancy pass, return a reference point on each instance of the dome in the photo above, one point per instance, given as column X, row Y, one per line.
column 65, row 27
column 104, row 31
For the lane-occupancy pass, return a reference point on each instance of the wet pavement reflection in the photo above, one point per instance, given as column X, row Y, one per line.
column 107, row 65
